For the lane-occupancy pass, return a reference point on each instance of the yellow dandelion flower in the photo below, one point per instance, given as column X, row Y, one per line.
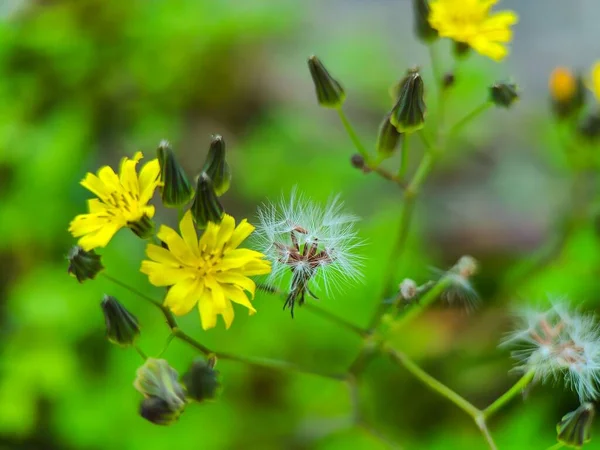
column 122, row 202
column 472, row 23
column 210, row 271
column 562, row 84
column 596, row 80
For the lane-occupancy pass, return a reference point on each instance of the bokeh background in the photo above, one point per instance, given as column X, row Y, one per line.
column 84, row 82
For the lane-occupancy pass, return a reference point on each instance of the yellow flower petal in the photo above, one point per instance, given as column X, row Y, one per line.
column 188, row 233
column 242, row 231
column 239, row 258
column 148, row 180
column 236, row 279
column 225, row 230
column 228, row 315
column 596, row 80
column 162, row 255
column 218, row 296
column 176, row 244
column 128, row 176
column 257, row 267
column 159, row 275
column 209, row 238
column 99, row 238
column 182, row 297
column 208, row 316
column 238, row 296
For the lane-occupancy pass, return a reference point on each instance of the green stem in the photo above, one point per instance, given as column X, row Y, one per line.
column 132, row 290
column 515, row 390
column 353, row 136
column 432, row 383
column 480, row 422
column 556, row 446
column 469, row 117
column 140, row 352
column 404, row 155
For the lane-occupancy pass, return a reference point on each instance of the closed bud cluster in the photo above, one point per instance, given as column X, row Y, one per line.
column 206, row 207
column 122, row 327
column 575, row 427
column 567, row 92
column 176, row 189
column 589, row 128
column 559, row 344
column 216, row 166
column 408, row 114
column 164, row 398
column 84, row 265
column 387, row 139
column 504, row 94
column 201, row 380
column 330, row 93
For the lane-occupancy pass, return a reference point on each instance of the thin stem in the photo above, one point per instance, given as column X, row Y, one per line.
column 404, row 155
column 432, row 383
column 132, row 290
column 556, row 446
column 515, row 390
column 480, row 421
column 469, row 117
column 140, row 352
column 385, row 174
column 430, row 296
column 353, row 136
column 170, row 338
column 426, row 142
column 317, row 310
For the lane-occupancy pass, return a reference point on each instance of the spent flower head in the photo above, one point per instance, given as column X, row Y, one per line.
column 316, row 244
column 458, row 287
column 559, row 344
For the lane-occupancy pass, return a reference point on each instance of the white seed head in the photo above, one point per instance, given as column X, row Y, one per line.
column 408, row 289
column 319, row 244
column 459, row 288
column 559, row 344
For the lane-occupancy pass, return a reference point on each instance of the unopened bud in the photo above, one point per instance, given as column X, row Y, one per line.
column 176, row 189
column 216, row 166
column 330, row 92
column 206, row 207
column 422, row 28
column 164, row 396
column 122, row 327
column 461, row 49
column 144, row 227
column 201, row 380
column 357, row 161
column 574, row 428
column 504, row 94
column 567, row 92
column 408, row 115
column 84, row 265
column 408, row 289
column 589, row 128
column 448, row 80
column 387, row 139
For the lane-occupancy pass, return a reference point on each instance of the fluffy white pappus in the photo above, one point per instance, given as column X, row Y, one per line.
column 559, row 344
column 319, row 244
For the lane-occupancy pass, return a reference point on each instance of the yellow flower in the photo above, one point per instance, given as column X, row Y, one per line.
column 471, row 22
column 562, row 84
column 211, row 272
column 122, row 202
column 596, row 80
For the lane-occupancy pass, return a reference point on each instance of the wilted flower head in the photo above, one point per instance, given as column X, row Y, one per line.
column 459, row 289
column 317, row 245
column 561, row 344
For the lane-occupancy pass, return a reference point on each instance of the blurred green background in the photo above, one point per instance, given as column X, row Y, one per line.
column 84, row 82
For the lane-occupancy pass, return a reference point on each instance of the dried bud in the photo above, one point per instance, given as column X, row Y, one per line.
column 504, row 94
column 574, row 428
column 330, row 93
column 206, row 207
column 144, row 227
column 216, row 166
column 589, row 128
column 461, row 50
column 448, row 80
column 357, row 161
column 567, row 92
column 408, row 289
column 422, row 28
column 408, row 115
column 388, row 138
column 121, row 326
column 157, row 411
column 201, row 380
column 164, row 396
column 176, row 189
column 84, row 265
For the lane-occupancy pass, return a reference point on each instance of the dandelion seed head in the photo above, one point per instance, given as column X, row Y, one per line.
column 318, row 245
column 559, row 344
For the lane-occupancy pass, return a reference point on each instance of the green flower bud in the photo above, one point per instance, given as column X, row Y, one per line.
column 156, row 379
column 408, row 115
column 330, row 93
column 84, row 265
column 157, row 411
column 216, row 167
column 388, row 138
column 589, row 128
column 201, row 380
column 176, row 189
column 461, row 50
column 121, row 326
column 422, row 29
column 574, row 428
column 504, row 94
column 144, row 228
column 206, row 207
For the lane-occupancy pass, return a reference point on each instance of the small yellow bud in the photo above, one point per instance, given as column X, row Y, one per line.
column 562, row 84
